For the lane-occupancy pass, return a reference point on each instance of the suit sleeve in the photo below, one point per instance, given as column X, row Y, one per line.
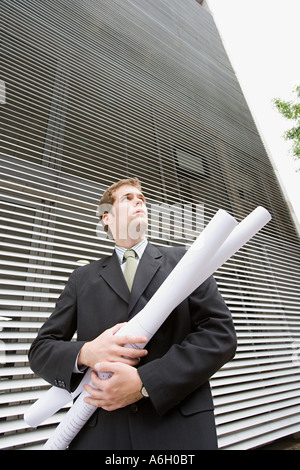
column 52, row 354
column 188, row 365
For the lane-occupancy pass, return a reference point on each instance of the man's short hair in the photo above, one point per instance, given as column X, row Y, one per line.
column 108, row 198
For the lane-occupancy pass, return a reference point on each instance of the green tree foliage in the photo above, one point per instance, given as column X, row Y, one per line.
column 291, row 111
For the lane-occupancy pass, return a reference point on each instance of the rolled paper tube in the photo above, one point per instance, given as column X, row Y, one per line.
column 180, row 284
column 52, row 401
column 71, row 424
column 56, row 398
column 182, row 280
column 211, row 238
column 164, row 301
column 243, row 232
column 195, row 259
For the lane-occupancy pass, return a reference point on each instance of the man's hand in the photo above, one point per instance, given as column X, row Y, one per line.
column 108, row 347
column 122, row 389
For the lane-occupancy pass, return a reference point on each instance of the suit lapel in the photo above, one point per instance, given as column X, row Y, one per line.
column 149, row 264
column 112, row 274
column 147, row 268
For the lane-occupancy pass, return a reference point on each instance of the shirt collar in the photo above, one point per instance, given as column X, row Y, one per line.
column 139, row 248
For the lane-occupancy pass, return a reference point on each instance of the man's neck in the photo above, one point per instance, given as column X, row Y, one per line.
column 129, row 243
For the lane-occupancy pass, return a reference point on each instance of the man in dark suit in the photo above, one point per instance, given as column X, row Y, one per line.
column 157, row 398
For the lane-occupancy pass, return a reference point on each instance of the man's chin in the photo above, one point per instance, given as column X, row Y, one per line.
column 138, row 228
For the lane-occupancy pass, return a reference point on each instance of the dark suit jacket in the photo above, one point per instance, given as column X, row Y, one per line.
column 192, row 344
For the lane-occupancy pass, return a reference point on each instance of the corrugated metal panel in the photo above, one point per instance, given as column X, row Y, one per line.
column 100, row 90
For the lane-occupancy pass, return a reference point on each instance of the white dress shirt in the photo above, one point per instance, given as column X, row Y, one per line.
column 139, row 249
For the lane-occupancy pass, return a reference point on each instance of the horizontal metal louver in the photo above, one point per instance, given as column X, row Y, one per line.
column 101, row 90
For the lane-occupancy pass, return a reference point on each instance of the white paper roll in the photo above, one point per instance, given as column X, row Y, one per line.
column 52, row 401
column 216, row 244
column 211, row 237
column 176, row 288
column 71, row 424
column 243, row 232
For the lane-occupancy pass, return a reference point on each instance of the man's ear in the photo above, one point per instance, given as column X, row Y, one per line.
column 107, row 219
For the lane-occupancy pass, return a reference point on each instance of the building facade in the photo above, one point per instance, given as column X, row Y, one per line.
column 97, row 90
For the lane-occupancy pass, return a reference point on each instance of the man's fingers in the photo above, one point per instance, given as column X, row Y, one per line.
column 106, row 367
column 128, row 339
column 117, row 327
column 98, row 382
column 133, row 353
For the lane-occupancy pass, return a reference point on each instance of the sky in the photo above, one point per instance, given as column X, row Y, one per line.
column 261, row 38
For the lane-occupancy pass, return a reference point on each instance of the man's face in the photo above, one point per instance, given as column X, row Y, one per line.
column 129, row 218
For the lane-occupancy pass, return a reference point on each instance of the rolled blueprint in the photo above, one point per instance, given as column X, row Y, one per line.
column 207, row 254
column 195, row 259
column 205, row 245
column 180, row 284
column 52, row 401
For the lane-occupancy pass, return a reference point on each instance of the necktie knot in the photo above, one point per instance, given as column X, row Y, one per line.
column 129, row 254
column 130, row 268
